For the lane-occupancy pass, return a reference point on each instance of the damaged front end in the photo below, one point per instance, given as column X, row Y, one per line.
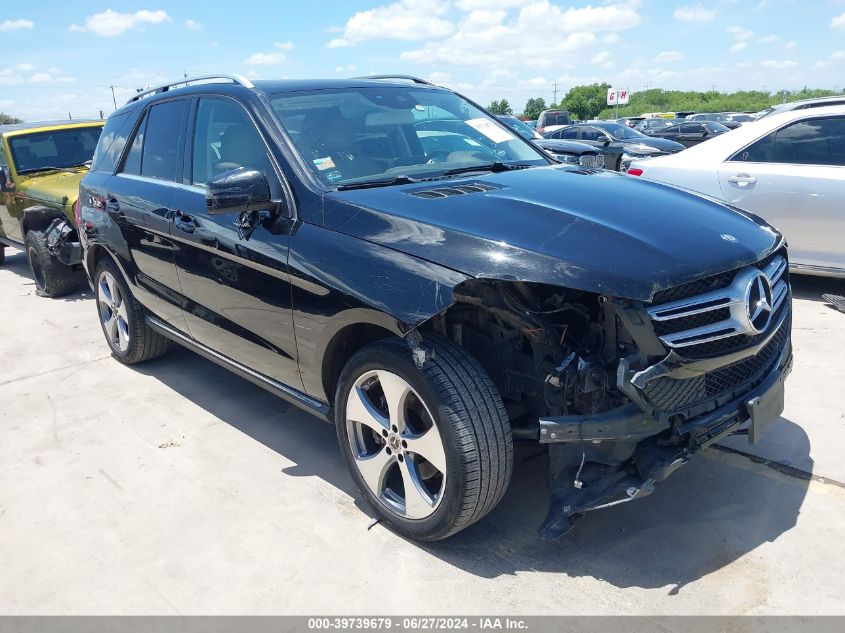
column 711, row 359
column 624, row 392
column 63, row 242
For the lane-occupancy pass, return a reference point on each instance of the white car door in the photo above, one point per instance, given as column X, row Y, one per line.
column 794, row 178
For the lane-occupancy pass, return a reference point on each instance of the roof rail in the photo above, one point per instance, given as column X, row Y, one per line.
column 235, row 79
column 411, row 78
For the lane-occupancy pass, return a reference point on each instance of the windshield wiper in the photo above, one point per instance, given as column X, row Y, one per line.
column 494, row 167
column 365, row 184
column 69, row 168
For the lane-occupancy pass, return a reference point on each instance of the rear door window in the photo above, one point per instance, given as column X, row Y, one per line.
column 165, row 129
column 812, row 142
column 111, row 144
column 156, row 147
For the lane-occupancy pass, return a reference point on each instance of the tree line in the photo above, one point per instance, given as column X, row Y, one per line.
column 590, row 101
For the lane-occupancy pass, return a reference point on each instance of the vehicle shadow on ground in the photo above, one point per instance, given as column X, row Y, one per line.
column 712, row 511
column 812, row 288
column 16, row 262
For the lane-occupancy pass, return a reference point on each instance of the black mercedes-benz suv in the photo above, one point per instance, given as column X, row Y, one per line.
column 437, row 293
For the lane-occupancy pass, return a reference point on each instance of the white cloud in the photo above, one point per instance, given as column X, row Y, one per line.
column 403, row 20
column 8, row 77
column 610, row 38
column 740, row 34
column 539, row 35
column 838, row 22
column 787, row 63
column 350, row 68
column 694, row 14
column 193, row 25
column 789, row 46
column 472, row 5
column 285, row 46
column 601, row 58
column 668, row 56
column 111, row 23
column 26, row 67
column 739, row 46
column 769, row 39
column 40, row 78
column 609, row 17
column 838, row 55
column 14, row 25
column 265, row 59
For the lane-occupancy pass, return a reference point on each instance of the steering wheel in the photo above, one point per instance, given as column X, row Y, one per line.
column 442, row 154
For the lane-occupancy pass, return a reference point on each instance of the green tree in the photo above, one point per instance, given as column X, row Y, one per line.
column 8, row 118
column 586, row 101
column 534, row 107
column 500, row 107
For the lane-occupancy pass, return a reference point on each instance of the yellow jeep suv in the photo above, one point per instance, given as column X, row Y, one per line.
column 41, row 165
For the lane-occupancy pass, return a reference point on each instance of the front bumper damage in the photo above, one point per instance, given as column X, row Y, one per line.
column 598, row 461
column 63, row 242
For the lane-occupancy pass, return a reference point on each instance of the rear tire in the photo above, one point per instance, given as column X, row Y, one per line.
column 453, row 449
column 52, row 277
column 2, row 254
column 122, row 318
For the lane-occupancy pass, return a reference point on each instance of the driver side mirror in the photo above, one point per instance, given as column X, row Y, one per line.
column 237, row 190
column 606, row 141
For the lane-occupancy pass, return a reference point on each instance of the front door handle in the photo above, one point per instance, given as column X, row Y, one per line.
column 184, row 222
column 742, row 180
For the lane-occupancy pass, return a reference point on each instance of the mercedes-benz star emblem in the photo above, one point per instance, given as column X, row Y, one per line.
column 759, row 302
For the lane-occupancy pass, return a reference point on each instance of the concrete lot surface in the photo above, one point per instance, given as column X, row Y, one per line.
column 177, row 487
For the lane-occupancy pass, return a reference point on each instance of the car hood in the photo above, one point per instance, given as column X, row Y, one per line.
column 573, row 147
column 55, row 188
column 590, row 230
column 663, row 144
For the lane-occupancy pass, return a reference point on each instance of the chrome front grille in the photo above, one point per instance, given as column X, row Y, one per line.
column 736, row 308
column 592, row 160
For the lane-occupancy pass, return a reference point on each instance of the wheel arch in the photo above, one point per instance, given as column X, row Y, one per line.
column 39, row 217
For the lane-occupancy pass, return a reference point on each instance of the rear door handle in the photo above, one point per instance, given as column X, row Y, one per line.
column 184, row 222
column 742, row 180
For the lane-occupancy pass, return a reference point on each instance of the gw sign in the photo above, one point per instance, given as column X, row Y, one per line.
column 617, row 96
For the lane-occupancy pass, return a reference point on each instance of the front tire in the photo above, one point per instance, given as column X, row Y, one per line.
column 52, row 278
column 122, row 318
column 430, row 448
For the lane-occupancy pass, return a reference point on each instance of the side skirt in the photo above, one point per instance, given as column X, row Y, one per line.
column 294, row 396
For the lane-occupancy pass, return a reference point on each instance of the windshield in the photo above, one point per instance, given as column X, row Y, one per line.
column 520, row 127
column 616, row 130
column 742, row 118
column 55, row 148
column 716, row 128
column 367, row 134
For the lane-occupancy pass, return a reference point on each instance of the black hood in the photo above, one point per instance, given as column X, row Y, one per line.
column 652, row 141
column 590, row 230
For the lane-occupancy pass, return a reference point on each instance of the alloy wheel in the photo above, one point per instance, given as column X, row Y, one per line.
column 113, row 313
column 396, row 444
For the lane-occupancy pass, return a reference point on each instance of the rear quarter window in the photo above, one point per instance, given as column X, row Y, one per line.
column 111, row 144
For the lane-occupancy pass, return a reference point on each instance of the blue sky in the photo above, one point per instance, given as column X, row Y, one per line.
column 63, row 57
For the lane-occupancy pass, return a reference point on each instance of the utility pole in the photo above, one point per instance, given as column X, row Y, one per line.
column 113, row 97
column 554, row 96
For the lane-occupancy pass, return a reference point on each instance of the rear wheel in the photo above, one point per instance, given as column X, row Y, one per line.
column 52, row 277
column 122, row 318
column 431, row 447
